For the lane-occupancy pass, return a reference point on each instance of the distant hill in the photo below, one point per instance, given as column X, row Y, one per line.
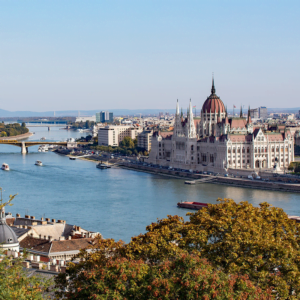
column 117, row 112
column 74, row 113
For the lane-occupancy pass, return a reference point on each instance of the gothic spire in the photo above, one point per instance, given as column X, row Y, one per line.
column 213, row 90
column 241, row 112
column 177, row 108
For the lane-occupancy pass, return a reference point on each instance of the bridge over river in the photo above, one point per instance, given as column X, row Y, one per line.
column 24, row 145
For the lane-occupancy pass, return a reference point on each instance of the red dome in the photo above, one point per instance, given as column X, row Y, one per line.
column 213, row 103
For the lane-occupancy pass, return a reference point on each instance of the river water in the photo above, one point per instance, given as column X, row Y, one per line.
column 117, row 203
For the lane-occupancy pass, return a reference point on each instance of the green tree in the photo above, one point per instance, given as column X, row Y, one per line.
column 260, row 242
column 257, row 246
column 17, row 283
column 127, row 142
column 3, row 133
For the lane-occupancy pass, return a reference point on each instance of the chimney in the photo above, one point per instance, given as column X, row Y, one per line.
column 53, row 220
column 50, row 238
column 18, row 216
column 45, row 237
column 27, row 217
column 32, row 217
column 42, row 219
column 47, row 219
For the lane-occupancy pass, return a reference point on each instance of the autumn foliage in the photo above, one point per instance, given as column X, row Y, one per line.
column 225, row 251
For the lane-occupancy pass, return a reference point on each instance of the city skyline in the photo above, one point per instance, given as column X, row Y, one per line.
column 145, row 55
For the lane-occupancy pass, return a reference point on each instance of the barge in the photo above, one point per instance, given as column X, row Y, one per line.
column 192, row 205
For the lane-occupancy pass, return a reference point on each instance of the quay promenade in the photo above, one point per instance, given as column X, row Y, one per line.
column 273, row 183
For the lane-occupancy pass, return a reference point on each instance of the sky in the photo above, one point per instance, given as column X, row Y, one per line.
column 84, row 55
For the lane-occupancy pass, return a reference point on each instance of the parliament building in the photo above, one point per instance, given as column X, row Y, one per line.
column 219, row 143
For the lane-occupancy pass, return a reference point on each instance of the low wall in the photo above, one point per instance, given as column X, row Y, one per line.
column 238, row 182
column 17, row 137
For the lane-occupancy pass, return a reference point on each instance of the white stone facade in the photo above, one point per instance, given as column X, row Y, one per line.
column 221, row 144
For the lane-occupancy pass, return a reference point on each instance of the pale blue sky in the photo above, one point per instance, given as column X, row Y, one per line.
column 57, row 55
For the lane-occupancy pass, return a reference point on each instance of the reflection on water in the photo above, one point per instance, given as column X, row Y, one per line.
column 118, row 203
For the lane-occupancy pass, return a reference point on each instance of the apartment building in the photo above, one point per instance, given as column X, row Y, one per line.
column 113, row 135
column 144, row 140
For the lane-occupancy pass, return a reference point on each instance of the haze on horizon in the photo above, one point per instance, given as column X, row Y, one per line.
column 84, row 55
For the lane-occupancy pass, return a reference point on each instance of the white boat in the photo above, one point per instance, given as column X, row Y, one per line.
column 43, row 138
column 43, row 148
column 50, row 146
column 38, row 163
column 5, row 167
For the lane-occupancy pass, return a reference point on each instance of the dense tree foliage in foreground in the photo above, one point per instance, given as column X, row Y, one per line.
column 17, row 283
column 225, row 251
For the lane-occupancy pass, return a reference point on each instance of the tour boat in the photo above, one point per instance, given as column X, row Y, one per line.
column 38, row 163
column 43, row 148
column 103, row 166
column 5, row 167
column 191, row 205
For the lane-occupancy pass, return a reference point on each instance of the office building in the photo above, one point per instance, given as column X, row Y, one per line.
column 113, row 135
column 104, row 117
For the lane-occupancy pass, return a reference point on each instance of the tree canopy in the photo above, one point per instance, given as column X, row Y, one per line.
column 12, row 129
column 225, row 251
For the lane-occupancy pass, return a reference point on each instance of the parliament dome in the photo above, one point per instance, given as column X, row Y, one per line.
column 213, row 103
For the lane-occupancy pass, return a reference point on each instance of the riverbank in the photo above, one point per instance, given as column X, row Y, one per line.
column 17, row 137
column 273, row 184
column 229, row 181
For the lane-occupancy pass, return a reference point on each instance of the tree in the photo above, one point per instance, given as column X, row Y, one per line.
column 245, row 246
column 3, row 133
column 23, row 124
column 260, row 242
column 127, row 142
column 16, row 283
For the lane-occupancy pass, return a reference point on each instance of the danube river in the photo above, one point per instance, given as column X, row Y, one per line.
column 116, row 202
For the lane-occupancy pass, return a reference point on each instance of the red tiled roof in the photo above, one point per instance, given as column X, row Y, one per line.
column 70, row 245
column 35, row 244
column 237, row 122
column 240, row 138
column 275, row 137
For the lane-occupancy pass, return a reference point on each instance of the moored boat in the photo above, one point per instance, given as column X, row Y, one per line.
column 38, row 163
column 102, row 166
column 5, row 167
column 192, row 205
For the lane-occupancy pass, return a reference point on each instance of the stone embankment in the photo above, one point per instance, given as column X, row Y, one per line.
column 273, row 183
column 17, row 137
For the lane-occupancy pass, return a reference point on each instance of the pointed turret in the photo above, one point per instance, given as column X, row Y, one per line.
column 241, row 112
column 191, row 125
column 177, row 108
column 249, row 117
